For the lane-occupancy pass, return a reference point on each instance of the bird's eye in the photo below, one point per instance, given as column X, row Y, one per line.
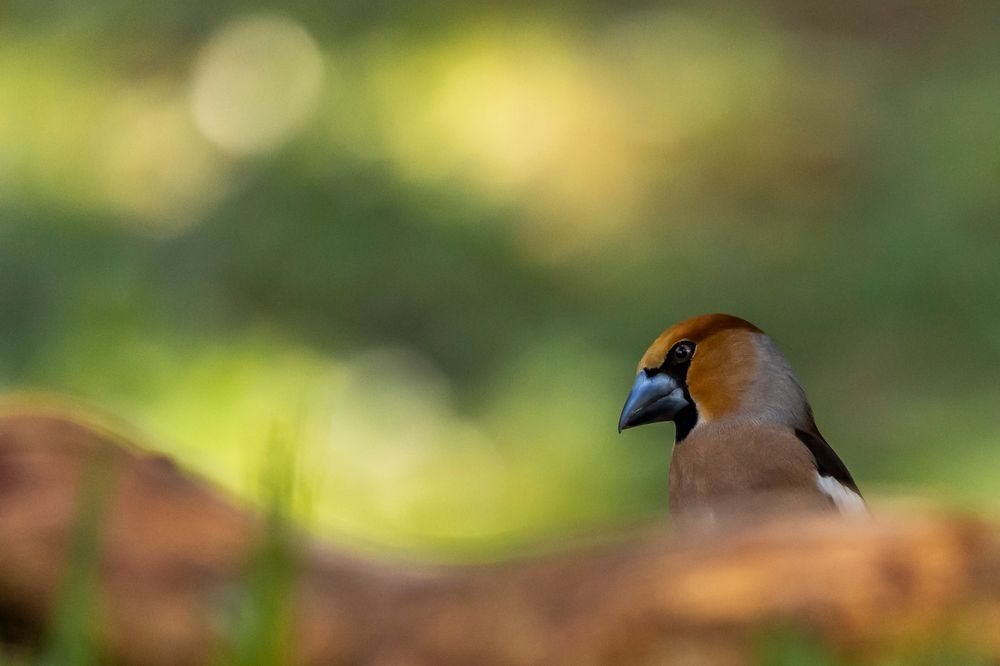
column 681, row 352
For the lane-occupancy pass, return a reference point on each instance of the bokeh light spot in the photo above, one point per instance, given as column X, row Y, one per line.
column 255, row 83
column 153, row 166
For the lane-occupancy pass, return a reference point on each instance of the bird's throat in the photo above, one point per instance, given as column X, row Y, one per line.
column 685, row 421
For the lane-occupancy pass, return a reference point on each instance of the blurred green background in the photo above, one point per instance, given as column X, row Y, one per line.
column 429, row 241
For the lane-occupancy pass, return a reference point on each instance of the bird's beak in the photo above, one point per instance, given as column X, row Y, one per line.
column 653, row 398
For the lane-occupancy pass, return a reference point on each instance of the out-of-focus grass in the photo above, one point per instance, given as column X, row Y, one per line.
column 788, row 646
column 259, row 620
column 255, row 619
column 794, row 646
column 73, row 630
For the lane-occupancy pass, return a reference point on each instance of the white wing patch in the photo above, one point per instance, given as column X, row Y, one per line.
column 845, row 499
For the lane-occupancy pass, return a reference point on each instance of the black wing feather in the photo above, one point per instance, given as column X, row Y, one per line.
column 828, row 463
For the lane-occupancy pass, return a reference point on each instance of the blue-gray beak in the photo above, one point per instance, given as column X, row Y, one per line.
column 653, row 398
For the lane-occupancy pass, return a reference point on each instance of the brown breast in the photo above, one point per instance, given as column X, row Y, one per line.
column 742, row 473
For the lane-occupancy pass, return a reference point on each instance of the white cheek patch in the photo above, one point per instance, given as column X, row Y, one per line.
column 845, row 499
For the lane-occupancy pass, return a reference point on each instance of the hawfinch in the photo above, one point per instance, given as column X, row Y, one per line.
column 744, row 428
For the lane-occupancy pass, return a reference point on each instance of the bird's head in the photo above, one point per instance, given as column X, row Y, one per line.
column 708, row 368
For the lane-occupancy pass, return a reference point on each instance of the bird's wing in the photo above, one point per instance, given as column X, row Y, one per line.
column 834, row 478
column 828, row 463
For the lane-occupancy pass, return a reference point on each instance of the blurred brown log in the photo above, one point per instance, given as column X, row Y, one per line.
column 173, row 548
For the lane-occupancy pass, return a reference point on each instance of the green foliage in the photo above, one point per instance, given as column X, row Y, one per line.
column 474, row 221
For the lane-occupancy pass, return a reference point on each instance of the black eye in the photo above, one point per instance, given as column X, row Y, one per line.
column 681, row 352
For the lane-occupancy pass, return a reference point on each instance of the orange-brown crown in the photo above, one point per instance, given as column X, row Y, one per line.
column 724, row 361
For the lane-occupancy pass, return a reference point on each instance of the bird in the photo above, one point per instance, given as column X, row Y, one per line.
column 746, row 442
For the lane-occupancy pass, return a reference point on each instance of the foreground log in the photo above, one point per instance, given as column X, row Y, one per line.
column 173, row 550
